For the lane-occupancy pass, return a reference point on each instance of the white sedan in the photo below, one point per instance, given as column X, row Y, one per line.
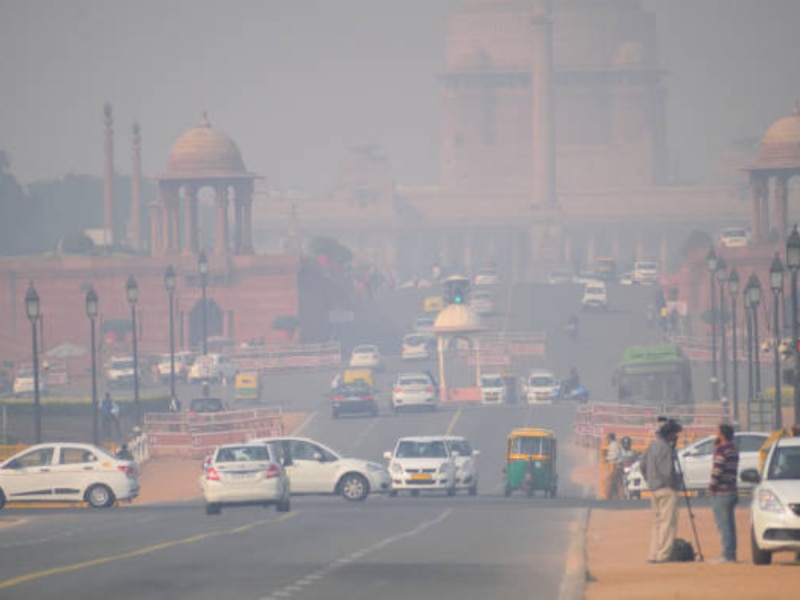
column 316, row 469
column 244, row 474
column 414, row 390
column 66, row 472
column 696, row 459
column 366, row 356
column 415, row 346
column 422, row 463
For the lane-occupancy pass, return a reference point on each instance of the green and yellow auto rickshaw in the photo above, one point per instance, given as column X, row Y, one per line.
column 531, row 461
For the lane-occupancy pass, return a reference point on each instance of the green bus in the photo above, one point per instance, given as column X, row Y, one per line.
column 655, row 375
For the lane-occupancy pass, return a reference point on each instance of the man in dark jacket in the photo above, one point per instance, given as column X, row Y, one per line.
column 658, row 469
column 724, row 491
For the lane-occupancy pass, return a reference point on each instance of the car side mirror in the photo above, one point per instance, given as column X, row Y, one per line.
column 750, row 476
column 387, row 455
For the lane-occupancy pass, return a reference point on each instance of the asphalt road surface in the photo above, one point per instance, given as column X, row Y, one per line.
column 422, row 547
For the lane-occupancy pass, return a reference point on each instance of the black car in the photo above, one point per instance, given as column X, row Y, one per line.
column 206, row 405
column 354, row 397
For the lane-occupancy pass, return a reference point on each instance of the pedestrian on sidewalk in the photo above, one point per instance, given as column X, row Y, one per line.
column 658, row 470
column 614, row 460
column 724, row 492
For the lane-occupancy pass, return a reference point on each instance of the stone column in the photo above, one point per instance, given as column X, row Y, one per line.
column 237, row 223
column 136, row 180
column 543, row 135
column 170, row 203
column 221, row 222
column 247, row 226
column 156, row 242
column 755, row 196
column 189, row 220
column 108, row 176
column 781, row 207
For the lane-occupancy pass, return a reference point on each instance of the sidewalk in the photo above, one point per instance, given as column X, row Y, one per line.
column 617, row 542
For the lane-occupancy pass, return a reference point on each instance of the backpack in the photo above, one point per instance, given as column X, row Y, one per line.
column 682, row 551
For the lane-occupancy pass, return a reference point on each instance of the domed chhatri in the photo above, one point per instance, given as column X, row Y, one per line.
column 206, row 151
column 457, row 318
column 780, row 146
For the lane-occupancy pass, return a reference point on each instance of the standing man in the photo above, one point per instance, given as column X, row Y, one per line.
column 658, row 469
column 106, row 404
column 614, row 459
column 724, row 493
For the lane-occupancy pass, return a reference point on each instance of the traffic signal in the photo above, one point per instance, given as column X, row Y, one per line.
column 455, row 290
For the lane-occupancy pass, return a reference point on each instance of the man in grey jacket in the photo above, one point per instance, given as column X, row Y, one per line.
column 658, row 469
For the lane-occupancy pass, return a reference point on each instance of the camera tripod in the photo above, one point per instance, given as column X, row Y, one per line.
column 688, row 505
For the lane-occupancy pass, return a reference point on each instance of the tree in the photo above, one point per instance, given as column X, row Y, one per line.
column 20, row 222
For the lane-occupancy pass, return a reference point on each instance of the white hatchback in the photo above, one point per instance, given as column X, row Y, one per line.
column 422, row 463
column 66, row 472
column 366, row 356
column 315, row 469
column 541, row 386
column 244, row 474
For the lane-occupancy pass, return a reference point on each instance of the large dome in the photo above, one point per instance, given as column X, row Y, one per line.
column 205, row 152
column 780, row 146
column 457, row 318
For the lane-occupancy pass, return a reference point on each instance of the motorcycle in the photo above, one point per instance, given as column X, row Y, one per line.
column 633, row 482
column 579, row 393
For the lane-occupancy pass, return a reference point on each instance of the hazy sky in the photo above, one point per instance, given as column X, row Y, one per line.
column 296, row 82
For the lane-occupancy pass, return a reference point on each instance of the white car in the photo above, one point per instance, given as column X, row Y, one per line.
column 244, row 474
column 645, row 272
column 775, row 509
column 493, row 388
column 119, row 371
column 24, row 383
column 416, row 346
column 487, row 276
column 584, row 277
column 366, row 356
column 315, row 469
column 212, row 368
column 67, row 472
column 422, row 463
column 594, row 296
column 559, row 277
column 481, row 302
column 414, row 390
column 466, row 468
column 734, row 237
column 696, row 460
column 541, row 386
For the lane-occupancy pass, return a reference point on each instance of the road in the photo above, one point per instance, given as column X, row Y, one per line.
column 404, row 547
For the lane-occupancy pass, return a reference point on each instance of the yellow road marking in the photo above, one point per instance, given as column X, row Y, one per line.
column 453, row 422
column 135, row 553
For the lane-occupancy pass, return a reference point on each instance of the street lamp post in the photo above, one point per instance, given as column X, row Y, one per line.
column 755, row 302
column 749, row 324
column 132, row 291
column 32, row 309
column 733, row 290
column 202, row 266
column 722, row 277
column 793, row 263
column 712, row 261
column 170, row 280
column 91, row 312
column 776, row 283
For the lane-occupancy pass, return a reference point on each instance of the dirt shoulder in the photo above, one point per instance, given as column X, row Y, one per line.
column 616, row 547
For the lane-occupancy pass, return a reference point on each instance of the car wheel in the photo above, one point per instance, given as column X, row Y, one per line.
column 473, row 491
column 213, row 509
column 99, row 496
column 354, row 487
column 2, row 499
column 284, row 505
column 760, row 557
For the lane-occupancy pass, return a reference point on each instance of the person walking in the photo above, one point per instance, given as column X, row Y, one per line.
column 614, row 460
column 658, row 470
column 724, row 492
column 106, row 406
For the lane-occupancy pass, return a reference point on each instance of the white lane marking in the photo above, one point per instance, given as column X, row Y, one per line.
column 286, row 592
column 302, row 425
column 453, row 422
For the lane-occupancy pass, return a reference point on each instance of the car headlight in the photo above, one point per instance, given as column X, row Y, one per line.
column 769, row 502
column 396, row 468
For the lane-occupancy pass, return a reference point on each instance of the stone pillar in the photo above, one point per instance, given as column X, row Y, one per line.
column 755, row 195
column 781, row 193
column 221, row 222
column 136, row 181
column 170, row 204
column 543, row 135
column 156, row 230
column 108, row 176
column 189, row 220
column 237, row 223
column 247, row 226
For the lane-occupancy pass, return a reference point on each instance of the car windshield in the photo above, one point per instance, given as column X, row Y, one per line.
column 424, row 322
column 122, row 363
column 420, row 449
column 646, row 266
column 595, row 290
column 24, row 374
column 493, row 382
column 530, row 445
column 460, row 447
column 542, row 381
column 206, row 405
column 414, row 340
column 355, row 387
column 785, row 463
column 409, row 381
column 735, row 233
column 242, row 454
column 365, row 350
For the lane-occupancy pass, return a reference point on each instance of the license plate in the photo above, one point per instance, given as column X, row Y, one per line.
column 420, row 477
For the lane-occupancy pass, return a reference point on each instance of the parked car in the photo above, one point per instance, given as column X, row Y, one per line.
column 207, row 405
column 775, row 509
column 594, row 296
column 541, row 386
column 68, row 472
column 481, row 302
column 415, row 346
column 366, row 356
column 244, row 474
column 466, row 467
column 183, row 363
column 734, row 237
column 414, row 390
column 422, row 463
column 212, row 368
column 315, row 469
column 696, row 459
column 24, row 382
column 353, row 398
column 119, row 371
